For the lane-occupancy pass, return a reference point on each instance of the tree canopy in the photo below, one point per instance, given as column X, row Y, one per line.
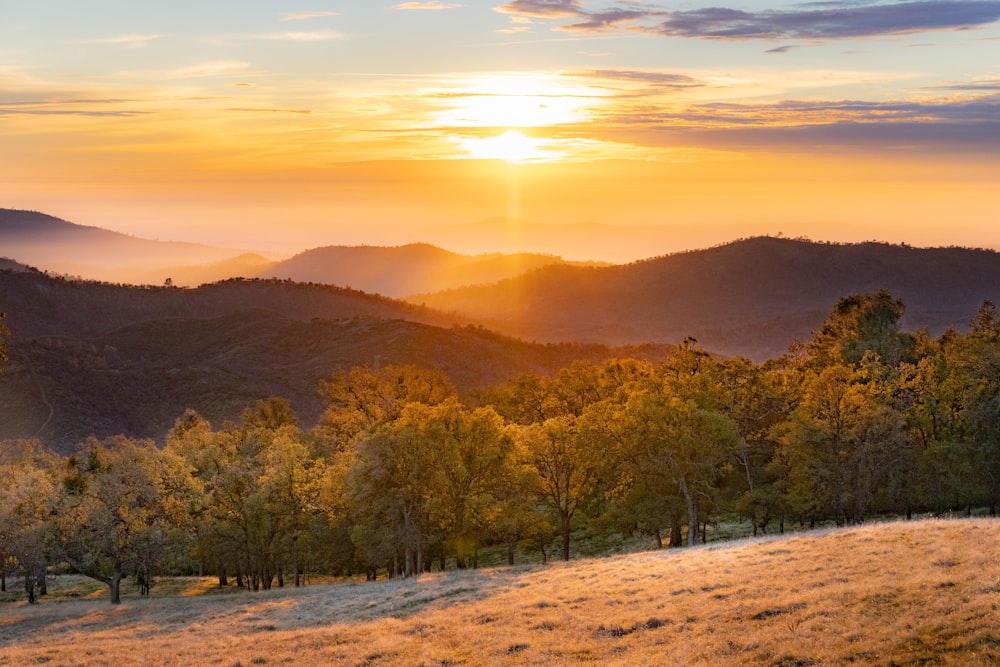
column 402, row 474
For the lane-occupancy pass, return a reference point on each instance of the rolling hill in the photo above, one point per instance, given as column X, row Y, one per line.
column 63, row 247
column 752, row 297
column 402, row 270
column 907, row 593
column 97, row 359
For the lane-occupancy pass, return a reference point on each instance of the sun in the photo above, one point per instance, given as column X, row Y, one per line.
column 512, row 146
column 515, row 101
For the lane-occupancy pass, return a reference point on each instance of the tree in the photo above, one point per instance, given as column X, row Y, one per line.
column 27, row 503
column 842, row 443
column 955, row 416
column 431, row 478
column 566, row 470
column 259, row 514
column 120, row 499
column 399, row 470
column 676, row 448
column 477, row 463
column 363, row 397
column 861, row 323
column 757, row 399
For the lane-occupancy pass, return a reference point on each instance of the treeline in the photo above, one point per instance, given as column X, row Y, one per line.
column 401, row 475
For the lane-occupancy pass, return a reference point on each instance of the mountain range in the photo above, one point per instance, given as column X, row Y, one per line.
column 752, row 297
column 409, row 269
column 56, row 245
column 88, row 358
column 99, row 358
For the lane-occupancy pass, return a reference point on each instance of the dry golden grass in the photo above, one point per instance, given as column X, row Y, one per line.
column 923, row 593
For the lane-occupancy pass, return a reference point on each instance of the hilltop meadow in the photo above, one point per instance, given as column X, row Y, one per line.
column 906, row 593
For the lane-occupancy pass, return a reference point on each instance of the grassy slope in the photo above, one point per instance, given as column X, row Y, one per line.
column 906, row 593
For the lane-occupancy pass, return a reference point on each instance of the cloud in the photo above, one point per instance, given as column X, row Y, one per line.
column 209, row 69
column 130, row 41
column 657, row 79
column 611, row 19
column 433, row 5
column 299, row 16
column 303, row 36
column 814, row 21
column 978, row 84
column 68, row 107
column 69, row 112
column 839, row 21
column 543, row 9
column 782, row 49
column 968, row 125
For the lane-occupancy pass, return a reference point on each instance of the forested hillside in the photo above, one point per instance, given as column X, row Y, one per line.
column 750, row 298
column 402, row 473
column 98, row 359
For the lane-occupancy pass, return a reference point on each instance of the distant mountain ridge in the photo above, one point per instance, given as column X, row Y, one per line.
column 751, row 297
column 409, row 269
column 54, row 244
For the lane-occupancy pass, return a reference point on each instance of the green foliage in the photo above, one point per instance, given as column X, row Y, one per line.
column 860, row 324
column 122, row 498
column 401, row 473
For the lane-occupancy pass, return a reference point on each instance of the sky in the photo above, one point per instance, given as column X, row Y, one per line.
column 285, row 125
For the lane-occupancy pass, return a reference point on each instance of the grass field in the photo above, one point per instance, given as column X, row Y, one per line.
column 916, row 593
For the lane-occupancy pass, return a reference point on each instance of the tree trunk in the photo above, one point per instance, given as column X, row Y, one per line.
column 408, row 562
column 510, row 553
column 692, row 512
column 675, row 533
column 115, row 587
column 564, row 526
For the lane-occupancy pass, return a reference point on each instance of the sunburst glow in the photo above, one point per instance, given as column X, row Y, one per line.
column 512, row 146
column 517, row 101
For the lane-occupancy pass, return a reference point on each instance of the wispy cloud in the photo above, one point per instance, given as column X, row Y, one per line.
column 782, row 49
column 129, row 41
column 660, row 80
column 814, row 21
column 977, row 84
column 543, row 9
column 209, row 69
column 433, row 5
column 301, row 36
column 301, row 16
column 95, row 108
column 846, row 20
column 971, row 124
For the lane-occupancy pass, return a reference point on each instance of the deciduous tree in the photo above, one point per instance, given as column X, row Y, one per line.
column 120, row 499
